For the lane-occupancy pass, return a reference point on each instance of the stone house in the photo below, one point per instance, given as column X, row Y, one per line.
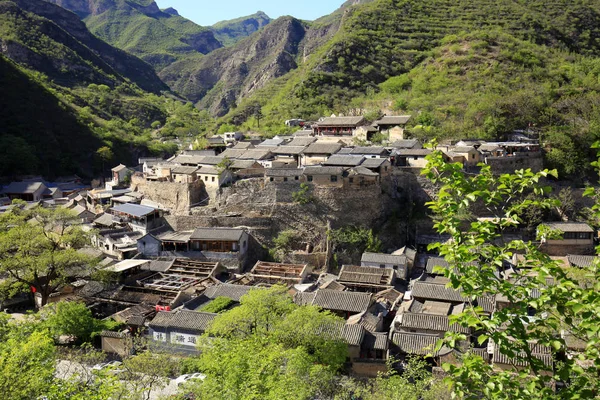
column 281, row 175
column 398, row 263
column 426, row 323
column 381, row 166
column 343, row 160
column 318, row 153
column 413, row 158
column 393, row 126
column 469, row 156
column 343, row 304
column 365, row 133
column 577, row 238
column 360, row 177
column 27, row 191
column 244, row 169
column 184, row 174
column 324, row 176
column 119, row 175
column 139, row 218
column 214, row 178
column 180, row 330
column 366, row 279
column 338, row 126
column 288, row 154
column 370, row 152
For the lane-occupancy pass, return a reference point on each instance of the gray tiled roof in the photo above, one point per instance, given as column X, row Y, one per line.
column 376, row 341
column 373, row 162
column 244, row 164
column 581, row 261
column 412, row 152
column 243, row 145
column 303, row 298
column 569, row 226
column 294, row 150
column 406, row 144
column 227, row 234
column 344, row 160
column 436, row 262
column 369, row 275
column 381, row 258
column 352, row 334
column 463, row 149
column 183, row 319
column 135, row 210
column 360, row 170
column 285, row 172
column 542, row 353
column 234, row 292
column 370, row 150
column 488, row 303
column 341, row 121
column 23, row 187
column 432, row 291
column 184, row 170
column 256, row 154
column 271, row 142
column 342, row 301
column 430, row 322
column 318, row 170
column 322, row 148
column 210, row 160
column 393, row 120
column 302, row 141
column 233, row 153
column 418, row 343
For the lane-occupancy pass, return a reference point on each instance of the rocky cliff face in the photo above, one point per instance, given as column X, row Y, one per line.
column 219, row 81
column 52, row 40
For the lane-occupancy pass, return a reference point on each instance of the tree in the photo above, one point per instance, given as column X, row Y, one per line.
column 302, row 196
column 546, row 305
column 73, row 319
column 105, row 154
column 38, row 248
column 147, row 371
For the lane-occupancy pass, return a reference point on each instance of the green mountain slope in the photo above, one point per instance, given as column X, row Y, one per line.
column 232, row 31
column 141, row 28
column 65, row 94
column 54, row 41
column 386, row 38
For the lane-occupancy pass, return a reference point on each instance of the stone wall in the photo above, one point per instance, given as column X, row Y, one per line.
column 507, row 165
column 177, row 197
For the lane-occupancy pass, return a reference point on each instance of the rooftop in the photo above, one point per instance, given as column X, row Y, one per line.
column 318, row 170
column 234, row 292
column 283, row 172
column 344, row 160
column 341, row 121
column 23, row 187
column 434, row 291
column 354, row 302
column 393, row 120
column 570, row 226
column 381, row 258
column 418, row 343
column 322, row 148
column 225, row 234
column 135, row 210
column 188, row 320
column 429, row 322
column 350, row 274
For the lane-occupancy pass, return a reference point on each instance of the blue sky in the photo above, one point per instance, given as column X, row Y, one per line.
column 205, row 12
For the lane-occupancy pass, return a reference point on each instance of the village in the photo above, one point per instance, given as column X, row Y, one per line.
column 158, row 228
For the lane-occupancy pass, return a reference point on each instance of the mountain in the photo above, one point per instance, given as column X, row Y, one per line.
column 159, row 37
column 219, row 79
column 52, row 40
column 232, row 31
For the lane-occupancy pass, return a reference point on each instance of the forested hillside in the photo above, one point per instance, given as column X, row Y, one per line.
column 141, row 28
column 66, row 94
column 232, row 31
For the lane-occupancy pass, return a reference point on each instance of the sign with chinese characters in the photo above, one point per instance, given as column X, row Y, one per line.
column 159, row 336
column 184, row 339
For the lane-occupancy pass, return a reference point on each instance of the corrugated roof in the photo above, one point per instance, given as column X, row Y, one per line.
column 341, row 121
column 542, row 353
column 381, row 258
column 135, row 210
column 569, row 226
column 393, row 120
column 322, row 148
column 418, row 343
column 425, row 290
column 228, row 234
column 344, row 160
column 342, row 301
column 233, row 292
column 430, row 322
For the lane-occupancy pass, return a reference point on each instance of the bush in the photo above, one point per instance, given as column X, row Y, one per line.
column 218, row 305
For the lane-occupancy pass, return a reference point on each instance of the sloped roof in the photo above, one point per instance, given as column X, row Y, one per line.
column 256, row 154
column 184, row 170
column 570, row 226
column 243, row 145
column 244, row 164
column 271, row 142
column 119, row 168
column 393, row 120
column 418, row 343
column 373, row 162
column 376, row 341
column 283, row 172
column 183, row 319
column 360, row 170
column 233, row 292
column 302, row 141
column 23, row 187
column 341, row 121
column 228, row 234
column 407, row 144
column 318, row 170
column 210, row 160
column 322, row 148
column 430, row 322
column 581, row 261
column 344, row 160
column 369, row 275
column 433, row 291
column 233, row 153
column 105, row 220
column 135, row 210
column 412, row 152
column 342, row 301
column 436, row 262
column 370, row 150
column 294, row 150
column 463, row 149
column 381, row 258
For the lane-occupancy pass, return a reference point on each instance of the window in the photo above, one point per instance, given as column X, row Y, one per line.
column 385, row 169
column 351, row 180
column 296, row 178
column 309, row 178
column 333, row 178
column 416, row 158
column 206, row 178
column 381, row 265
column 473, row 156
column 213, row 178
column 271, row 179
column 285, row 178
